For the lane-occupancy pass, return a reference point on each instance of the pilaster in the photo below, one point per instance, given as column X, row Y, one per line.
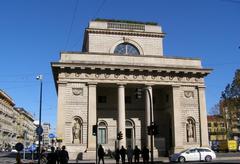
column 92, row 115
column 177, row 137
column 203, row 117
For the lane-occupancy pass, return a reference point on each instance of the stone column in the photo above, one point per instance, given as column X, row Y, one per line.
column 177, row 136
column 203, row 117
column 92, row 116
column 121, row 114
column 148, row 113
column 60, row 112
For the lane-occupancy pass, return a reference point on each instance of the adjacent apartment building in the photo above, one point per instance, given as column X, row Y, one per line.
column 15, row 124
column 98, row 84
column 216, row 128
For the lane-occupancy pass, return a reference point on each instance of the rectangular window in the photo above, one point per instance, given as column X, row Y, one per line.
column 209, row 124
column 102, row 136
column 102, row 99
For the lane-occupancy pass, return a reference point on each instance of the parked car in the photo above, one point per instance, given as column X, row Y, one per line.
column 14, row 150
column 194, row 154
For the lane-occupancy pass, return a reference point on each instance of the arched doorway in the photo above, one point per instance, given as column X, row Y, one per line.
column 130, row 133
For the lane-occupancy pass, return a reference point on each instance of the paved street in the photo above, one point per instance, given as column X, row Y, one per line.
column 9, row 158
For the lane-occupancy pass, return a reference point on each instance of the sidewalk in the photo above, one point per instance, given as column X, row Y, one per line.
column 156, row 160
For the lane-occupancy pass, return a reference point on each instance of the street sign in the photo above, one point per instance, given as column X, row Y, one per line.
column 39, row 130
column 19, row 146
column 51, row 135
column 32, row 147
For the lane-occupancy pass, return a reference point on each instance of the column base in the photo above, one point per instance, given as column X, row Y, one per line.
column 155, row 153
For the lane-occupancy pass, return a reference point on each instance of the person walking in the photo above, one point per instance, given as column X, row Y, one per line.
column 123, row 153
column 52, row 156
column 145, row 154
column 129, row 154
column 136, row 153
column 43, row 157
column 63, row 156
column 58, row 150
column 101, row 154
column 117, row 155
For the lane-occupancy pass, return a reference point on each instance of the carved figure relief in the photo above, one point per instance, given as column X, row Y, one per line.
column 190, row 128
column 76, row 130
column 77, row 91
column 77, row 74
column 188, row 94
column 106, row 75
column 116, row 75
column 171, row 77
column 97, row 75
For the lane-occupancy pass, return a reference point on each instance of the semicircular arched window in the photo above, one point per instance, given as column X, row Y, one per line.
column 102, row 133
column 126, row 49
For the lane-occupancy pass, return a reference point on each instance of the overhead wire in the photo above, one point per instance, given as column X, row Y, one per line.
column 94, row 16
column 71, row 26
column 99, row 8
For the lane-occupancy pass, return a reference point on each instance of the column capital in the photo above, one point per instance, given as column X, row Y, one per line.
column 91, row 83
column 176, row 86
column 121, row 84
column 201, row 86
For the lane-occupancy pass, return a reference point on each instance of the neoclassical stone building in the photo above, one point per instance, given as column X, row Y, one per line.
column 97, row 86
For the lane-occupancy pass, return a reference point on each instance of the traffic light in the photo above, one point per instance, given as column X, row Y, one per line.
column 138, row 93
column 152, row 129
column 155, row 129
column 149, row 130
column 94, row 130
column 119, row 136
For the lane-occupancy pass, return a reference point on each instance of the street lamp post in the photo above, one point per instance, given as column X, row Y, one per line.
column 151, row 123
column 40, row 77
column 151, row 126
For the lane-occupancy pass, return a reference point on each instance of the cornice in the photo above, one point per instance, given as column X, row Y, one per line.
column 123, row 32
column 130, row 68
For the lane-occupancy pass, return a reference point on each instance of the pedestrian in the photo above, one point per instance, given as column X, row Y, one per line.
column 63, row 156
column 129, row 154
column 101, row 154
column 58, row 154
column 136, row 153
column 122, row 154
column 117, row 155
column 52, row 156
column 43, row 157
column 145, row 154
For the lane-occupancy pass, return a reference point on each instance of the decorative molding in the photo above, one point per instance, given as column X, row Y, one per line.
column 77, row 74
column 138, row 76
column 77, row 91
column 188, row 94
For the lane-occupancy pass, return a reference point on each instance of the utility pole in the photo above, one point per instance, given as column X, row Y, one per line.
column 152, row 125
column 40, row 77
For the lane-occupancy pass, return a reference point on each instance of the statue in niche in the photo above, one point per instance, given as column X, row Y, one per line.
column 190, row 130
column 76, row 130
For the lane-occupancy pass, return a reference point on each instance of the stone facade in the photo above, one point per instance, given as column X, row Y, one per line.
column 14, row 124
column 97, row 86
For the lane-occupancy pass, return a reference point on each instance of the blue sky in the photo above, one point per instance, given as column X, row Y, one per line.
column 34, row 32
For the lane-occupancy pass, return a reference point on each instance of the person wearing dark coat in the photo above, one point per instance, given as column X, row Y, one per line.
column 145, row 154
column 52, row 157
column 136, row 153
column 63, row 156
column 58, row 150
column 123, row 152
column 117, row 155
column 101, row 154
